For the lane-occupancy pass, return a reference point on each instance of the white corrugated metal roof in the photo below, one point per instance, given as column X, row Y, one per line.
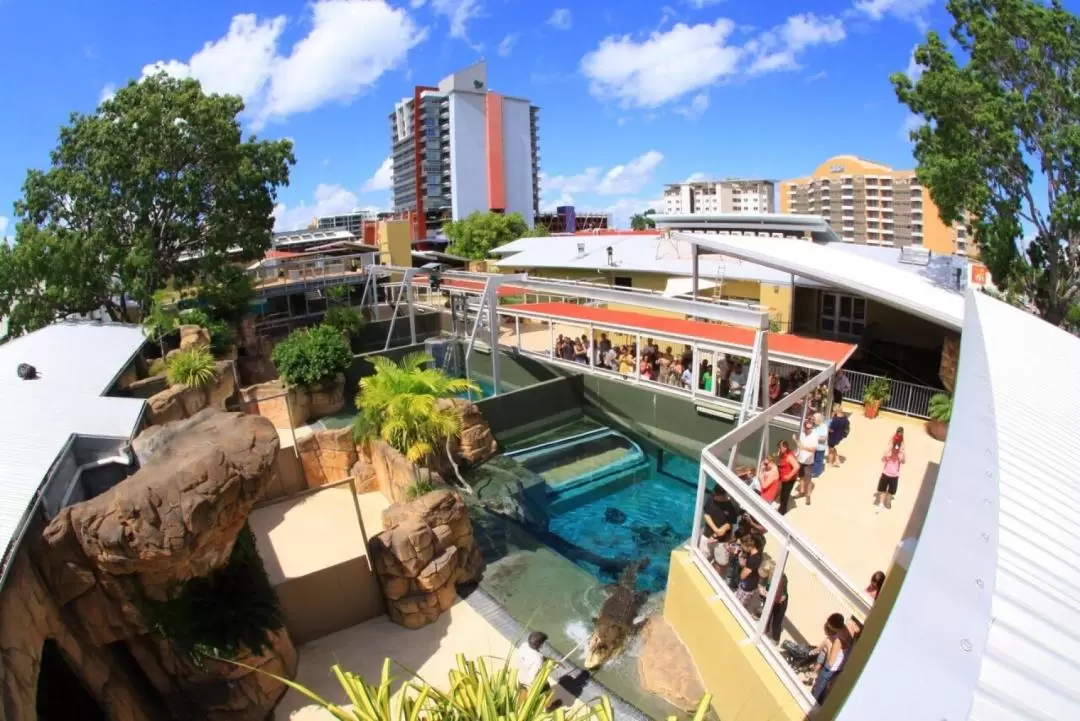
column 904, row 288
column 77, row 362
column 987, row 622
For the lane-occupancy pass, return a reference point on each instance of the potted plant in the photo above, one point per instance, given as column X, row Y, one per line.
column 940, row 415
column 876, row 393
column 314, row 361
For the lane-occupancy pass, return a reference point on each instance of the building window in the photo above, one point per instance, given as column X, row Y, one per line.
column 843, row 314
column 622, row 281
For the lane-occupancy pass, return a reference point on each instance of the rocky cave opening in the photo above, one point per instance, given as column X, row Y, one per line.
column 61, row 695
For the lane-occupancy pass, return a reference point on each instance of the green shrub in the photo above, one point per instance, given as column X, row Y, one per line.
column 877, row 390
column 941, row 407
column 344, row 319
column 193, row 367
column 227, row 295
column 308, row 356
column 220, row 614
column 418, row 488
column 478, row 692
column 220, row 335
column 158, row 367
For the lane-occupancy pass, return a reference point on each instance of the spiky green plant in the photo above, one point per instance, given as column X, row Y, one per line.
column 193, row 367
column 400, row 405
column 477, row 693
column 941, row 407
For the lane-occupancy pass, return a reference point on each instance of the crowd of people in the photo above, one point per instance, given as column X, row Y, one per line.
column 726, row 378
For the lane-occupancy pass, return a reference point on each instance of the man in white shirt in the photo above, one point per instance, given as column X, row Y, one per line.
column 737, row 378
column 529, row 660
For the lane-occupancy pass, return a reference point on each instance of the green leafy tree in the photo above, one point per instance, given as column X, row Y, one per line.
column 1011, row 112
column 400, row 405
column 345, row 319
column 158, row 183
column 225, row 293
column 478, row 234
column 642, row 221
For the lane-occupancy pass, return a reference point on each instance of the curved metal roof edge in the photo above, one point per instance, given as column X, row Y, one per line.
column 937, row 629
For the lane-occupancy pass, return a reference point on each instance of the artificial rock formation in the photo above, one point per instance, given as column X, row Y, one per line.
column 179, row 401
column 327, row 456
column 294, row 406
column 192, row 336
column 476, row 443
column 427, row 549
column 666, row 668
column 174, row 519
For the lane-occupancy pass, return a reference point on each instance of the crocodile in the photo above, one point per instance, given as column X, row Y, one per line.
column 618, row 617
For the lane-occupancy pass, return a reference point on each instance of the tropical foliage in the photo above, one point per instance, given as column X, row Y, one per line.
column 642, row 221
column 311, row 355
column 345, row 319
column 193, row 367
column 477, row 693
column 225, row 293
column 221, row 614
column 158, row 184
column 1000, row 130
column 941, row 407
column 400, row 405
column 478, row 234
column 221, row 339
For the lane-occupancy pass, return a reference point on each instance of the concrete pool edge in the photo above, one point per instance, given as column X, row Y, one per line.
column 495, row 614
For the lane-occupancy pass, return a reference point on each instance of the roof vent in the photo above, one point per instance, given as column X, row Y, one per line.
column 581, row 250
column 27, row 372
column 914, row 255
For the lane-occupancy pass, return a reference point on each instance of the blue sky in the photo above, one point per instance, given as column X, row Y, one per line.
column 632, row 94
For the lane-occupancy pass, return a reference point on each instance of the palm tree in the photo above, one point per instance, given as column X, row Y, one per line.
column 400, row 405
column 642, row 221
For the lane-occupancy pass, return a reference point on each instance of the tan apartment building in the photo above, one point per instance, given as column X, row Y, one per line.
column 871, row 203
column 719, row 196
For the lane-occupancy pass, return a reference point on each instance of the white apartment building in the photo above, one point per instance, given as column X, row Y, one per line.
column 719, row 196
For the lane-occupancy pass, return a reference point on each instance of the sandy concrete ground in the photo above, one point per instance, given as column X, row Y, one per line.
column 299, row 536
column 429, row 652
column 843, row 523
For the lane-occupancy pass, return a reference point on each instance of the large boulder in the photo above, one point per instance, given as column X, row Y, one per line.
column 326, row 397
column 427, row 549
column 192, row 336
column 177, row 517
column 476, row 443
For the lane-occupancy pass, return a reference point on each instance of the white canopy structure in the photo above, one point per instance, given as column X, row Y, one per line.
column 834, row 267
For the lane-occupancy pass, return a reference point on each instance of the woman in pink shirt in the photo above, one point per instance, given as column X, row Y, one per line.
column 890, row 474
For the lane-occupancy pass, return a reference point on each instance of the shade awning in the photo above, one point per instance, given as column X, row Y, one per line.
column 685, row 286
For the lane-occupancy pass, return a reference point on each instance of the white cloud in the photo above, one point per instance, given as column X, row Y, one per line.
column 624, row 208
column 697, row 177
column 506, row 47
column 417, row 3
column 561, row 19
column 699, row 4
column 382, row 179
column 329, row 200
column 624, row 179
column 350, row 45
column 107, row 93
column 4, row 222
column 914, row 71
column 911, row 122
column 778, row 49
column 668, row 65
column 632, row 177
column 819, row 75
column 697, row 106
column 904, row 9
column 664, row 66
column 459, row 12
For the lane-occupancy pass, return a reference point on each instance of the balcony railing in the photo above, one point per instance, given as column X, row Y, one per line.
column 909, row 399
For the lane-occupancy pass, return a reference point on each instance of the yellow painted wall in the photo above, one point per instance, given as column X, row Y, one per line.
column 937, row 236
column 743, row 685
column 395, row 243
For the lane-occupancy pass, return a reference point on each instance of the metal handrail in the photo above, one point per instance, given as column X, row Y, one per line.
column 909, row 399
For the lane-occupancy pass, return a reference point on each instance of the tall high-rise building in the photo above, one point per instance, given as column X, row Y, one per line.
column 460, row 148
column 719, row 196
column 867, row 202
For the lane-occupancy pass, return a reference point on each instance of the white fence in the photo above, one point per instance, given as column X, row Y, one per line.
column 909, row 399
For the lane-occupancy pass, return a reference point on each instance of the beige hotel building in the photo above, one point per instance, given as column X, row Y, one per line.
column 866, row 202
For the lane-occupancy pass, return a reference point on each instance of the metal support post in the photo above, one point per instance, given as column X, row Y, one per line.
column 695, row 267
column 591, row 350
column 491, row 295
column 753, row 381
column 409, row 273
column 636, row 370
column 517, row 331
column 412, row 311
column 699, row 508
column 695, row 372
column 551, row 339
column 774, row 589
